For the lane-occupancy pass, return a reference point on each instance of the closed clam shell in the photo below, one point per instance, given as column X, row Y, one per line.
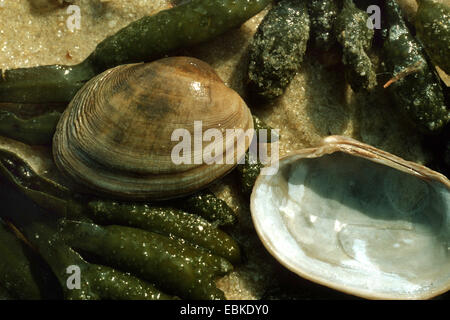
column 116, row 135
column 357, row 219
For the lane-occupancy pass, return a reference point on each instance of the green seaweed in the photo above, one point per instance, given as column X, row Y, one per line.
column 176, row 237
column 166, row 221
column 175, row 267
column 205, row 204
column 23, row 275
column 146, row 39
column 277, row 48
column 323, row 14
column 356, row 39
column 41, row 230
column 416, row 90
column 247, row 173
column 34, row 131
column 433, row 29
column 182, row 26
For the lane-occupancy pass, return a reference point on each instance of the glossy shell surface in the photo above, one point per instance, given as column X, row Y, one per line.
column 357, row 219
column 116, row 135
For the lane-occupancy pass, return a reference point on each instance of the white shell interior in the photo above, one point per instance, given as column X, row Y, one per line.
column 356, row 226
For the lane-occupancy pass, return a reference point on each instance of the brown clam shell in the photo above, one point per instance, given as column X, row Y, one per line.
column 116, row 135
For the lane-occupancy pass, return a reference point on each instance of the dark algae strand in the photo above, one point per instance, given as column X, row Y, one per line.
column 323, row 14
column 112, row 284
column 185, row 25
column 97, row 281
column 43, row 234
column 416, row 89
column 169, row 222
column 250, row 169
column 433, row 29
column 172, row 266
column 356, row 39
column 277, row 48
column 22, row 273
column 261, row 126
column 248, row 172
column 43, row 84
column 192, row 263
column 33, row 131
column 205, row 204
column 42, row 191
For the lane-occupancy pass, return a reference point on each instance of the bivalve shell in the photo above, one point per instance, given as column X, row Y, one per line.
column 116, row 137
column 357, row 219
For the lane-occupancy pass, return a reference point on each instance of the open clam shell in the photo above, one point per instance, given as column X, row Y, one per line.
column 357, row 219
